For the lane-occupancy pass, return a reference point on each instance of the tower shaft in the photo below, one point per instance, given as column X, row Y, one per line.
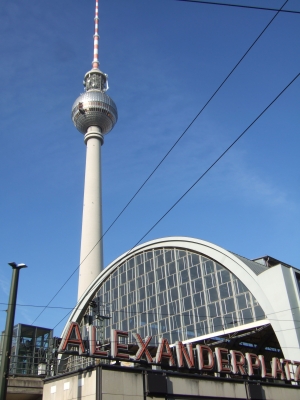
column 91, row 252
column 94, row 114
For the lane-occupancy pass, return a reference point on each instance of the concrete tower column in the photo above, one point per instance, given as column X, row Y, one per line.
column 94, row 114
column 91, row 251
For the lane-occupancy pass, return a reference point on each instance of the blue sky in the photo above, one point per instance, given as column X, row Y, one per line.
column 164, row 59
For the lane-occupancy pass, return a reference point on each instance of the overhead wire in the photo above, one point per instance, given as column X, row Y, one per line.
column 191, row 123
column 69, row 312
column 142, row 312
column 163, row 314
column 215, row 162
column 240, row 6
column 163, row 159
column 190, row 315
column 218, row 336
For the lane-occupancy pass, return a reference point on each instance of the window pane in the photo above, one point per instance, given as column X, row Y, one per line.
column 164, row 325
column 140, row 269
column 160, row 260
column 224, row 291
column 212, row 295
column 143, row 319
column 228, row 306
column 174, row 307
column 223, row 276
column 122, row 290
column 124, row 301
column 131, row 286
column 141, row 306
column 217, row 324
column 195, row 272
column 247, row 316
column 198, row 299
column 131, row 297
column 194, row 259
column 208, row 266
column 240, row 287
column 123, row 277
column 198, row 285
column 174, row 294
column 241, row 301
column 172, row 268
column 184, row 276
column 169, row 256
column 230, row 320
column 172, row 281
column 259, row 313
column 181, row 264
column 162, row 298
column 161, row 285
column 152, row 302
column 160, row 273
column 130, row 274
column 185, row 290
column 209, row 281
column 150, row 277
column 201, row 314
column 187, row 303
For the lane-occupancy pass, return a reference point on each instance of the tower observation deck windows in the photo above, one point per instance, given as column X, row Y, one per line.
column 176, row 293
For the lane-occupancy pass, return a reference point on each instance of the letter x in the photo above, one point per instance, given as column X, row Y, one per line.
column 143, row 347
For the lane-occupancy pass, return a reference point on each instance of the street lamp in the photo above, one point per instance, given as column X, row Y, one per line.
column 6, row 350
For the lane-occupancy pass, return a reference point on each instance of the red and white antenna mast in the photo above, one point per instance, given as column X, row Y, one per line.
column 95, row 62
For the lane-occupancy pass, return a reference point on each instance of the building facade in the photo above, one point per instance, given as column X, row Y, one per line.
column 120, row 383
column 193, row 291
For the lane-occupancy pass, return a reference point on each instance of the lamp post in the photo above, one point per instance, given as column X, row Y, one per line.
column 6, row 350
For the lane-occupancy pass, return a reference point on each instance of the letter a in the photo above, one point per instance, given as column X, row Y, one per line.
column 161, row 354
column 72, row 330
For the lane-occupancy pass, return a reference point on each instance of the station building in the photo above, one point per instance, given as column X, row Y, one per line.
column 190, row 290
column 184, row 290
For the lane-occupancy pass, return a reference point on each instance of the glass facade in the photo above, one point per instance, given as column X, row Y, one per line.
column 30, row 350
column 174, row 293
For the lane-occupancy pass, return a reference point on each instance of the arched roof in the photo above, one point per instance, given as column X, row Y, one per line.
column 275, row 289
column 243, row 269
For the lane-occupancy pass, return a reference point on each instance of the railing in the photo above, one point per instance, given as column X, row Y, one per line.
column 27, row 365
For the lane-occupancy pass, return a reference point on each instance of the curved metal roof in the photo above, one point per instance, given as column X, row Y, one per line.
column 244, row 269
column 254, row 266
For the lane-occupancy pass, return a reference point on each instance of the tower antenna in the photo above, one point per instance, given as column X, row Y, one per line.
column 95, row 62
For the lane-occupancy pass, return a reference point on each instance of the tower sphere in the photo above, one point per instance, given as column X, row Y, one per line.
column 94, row 107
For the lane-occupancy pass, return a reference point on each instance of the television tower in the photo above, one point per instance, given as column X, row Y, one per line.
column 94, row 114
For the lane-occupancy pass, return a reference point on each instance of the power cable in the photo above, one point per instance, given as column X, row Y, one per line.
column 215, row 162
column 214, row 332
column 162, row 160
column 240, row 6
column 191, row 123
column 59, row 290
column 69, row 312
column 104, row 304
column 183, row 314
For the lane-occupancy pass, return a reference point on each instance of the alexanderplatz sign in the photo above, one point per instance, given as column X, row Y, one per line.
column 179, row 356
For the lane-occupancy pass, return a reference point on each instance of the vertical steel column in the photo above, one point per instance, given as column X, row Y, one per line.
column 4, row 367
